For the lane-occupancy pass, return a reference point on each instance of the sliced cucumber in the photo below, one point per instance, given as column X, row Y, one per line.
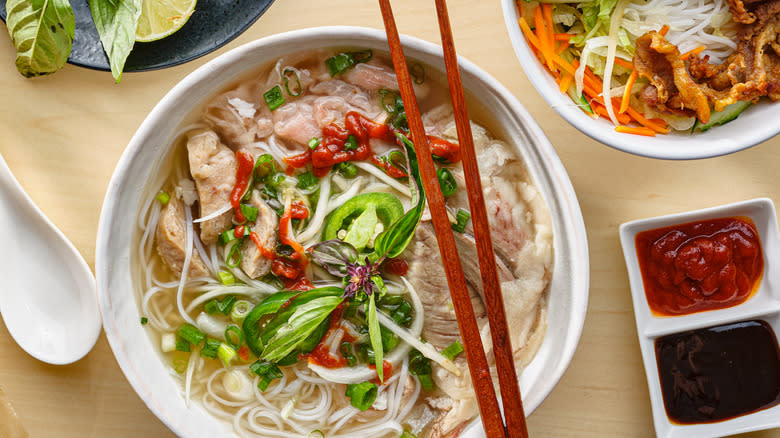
column 719, row 118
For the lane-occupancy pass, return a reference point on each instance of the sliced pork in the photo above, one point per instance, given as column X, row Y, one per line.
column 254, row 261
column 171, row 238
column 213, row 167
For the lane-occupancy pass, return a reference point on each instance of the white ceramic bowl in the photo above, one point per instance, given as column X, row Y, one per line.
column 134, row 352
column 755, row 125
column 763, row 305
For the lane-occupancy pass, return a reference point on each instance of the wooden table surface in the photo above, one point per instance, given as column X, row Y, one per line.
column 62, row 135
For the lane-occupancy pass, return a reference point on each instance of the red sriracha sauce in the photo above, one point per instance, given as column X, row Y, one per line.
column 298, row 210
column 449, row 152
column 321, row 354
column 396, row 266
column 245, row 166
column 387, row 372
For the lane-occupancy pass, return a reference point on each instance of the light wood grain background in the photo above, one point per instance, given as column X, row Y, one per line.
column 62, row 136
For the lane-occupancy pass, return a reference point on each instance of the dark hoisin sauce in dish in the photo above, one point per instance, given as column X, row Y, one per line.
column 698, row 266
column 717, row 373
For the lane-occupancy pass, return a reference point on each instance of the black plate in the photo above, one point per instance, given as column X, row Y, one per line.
column 213, row 24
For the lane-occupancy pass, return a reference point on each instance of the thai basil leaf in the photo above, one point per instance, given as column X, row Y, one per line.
column 375, row 335
column 300, row 325
column 42, row 32
column 393, row 241
column 333, row 255
column 116, row 21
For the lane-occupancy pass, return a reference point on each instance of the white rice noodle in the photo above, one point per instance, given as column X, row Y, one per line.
column 614, row 28
column 222, row 210
column 185, row 269
column 343, row 197
column 382, row 176
column 315, row 224
column 211, row 326
column 194, row 355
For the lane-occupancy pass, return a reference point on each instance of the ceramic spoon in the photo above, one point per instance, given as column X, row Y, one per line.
column 48, row 299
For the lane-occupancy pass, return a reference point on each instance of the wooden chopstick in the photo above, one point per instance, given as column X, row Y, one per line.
column 467, row 323
column 502, row 346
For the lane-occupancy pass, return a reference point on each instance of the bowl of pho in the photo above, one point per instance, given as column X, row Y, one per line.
column 266, row 265
column 670, row 79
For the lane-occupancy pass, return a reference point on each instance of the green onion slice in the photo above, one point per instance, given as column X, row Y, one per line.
column 191, row 334
column 313, row 143
column 179, row 365
column 233, row 336
column 210, row 348
column 347, row 170
column 267, row 372
column 286, row 79
column 144, row 320
column 339, row 64
column 240, row 310
column 264, row 166
column 362, row 56
column 274, row 98
column 362, row 395
column 351, row 143
column 461, row 218
column 163, row 197
column 226, row 277
column 226, row 304
column 307, row 180
column 226, row 354
column 234, row 256
column 316, row 434
column 250, row 212
column 447, row 182
column 211, row 307
column 453, row 350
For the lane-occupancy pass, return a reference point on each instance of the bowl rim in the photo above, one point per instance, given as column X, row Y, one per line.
column 578, row 302
column 668, row 147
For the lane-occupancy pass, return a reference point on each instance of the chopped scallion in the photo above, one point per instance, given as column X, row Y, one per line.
column 182, row 344
column 233, row 336
column 274, row 98
column 267, row 371
column 226, row 354
column 461, row 218
column 191, row 334
column 362, row 56
column 347, row 170
column 179, row 365
column 226, row 277
column 264, row 166
column 307, row 180
column 168, row 342
column 447, row 182
column 240, row 310
column 144, row 320
column 351, row 143
column 226, row 304
column 286, row 80
column 453, row 350
column 210, row 348
column 313, row 143
column 339, row 64
column 211, row 307
column 163, row 197
column 420, row 366
column 407, row 434
column 234, row 256
column 317, row 434
column 249, row 212
column 362, row 395
column 227, row 236
column 346, row 352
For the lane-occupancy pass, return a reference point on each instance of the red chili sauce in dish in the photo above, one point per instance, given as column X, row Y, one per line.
column 718, row 373
column 700, row 266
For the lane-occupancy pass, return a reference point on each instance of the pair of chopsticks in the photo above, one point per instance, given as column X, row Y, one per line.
column 475, row 353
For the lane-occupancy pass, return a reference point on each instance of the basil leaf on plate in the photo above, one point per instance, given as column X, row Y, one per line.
column 42, row 31
column 116, row 21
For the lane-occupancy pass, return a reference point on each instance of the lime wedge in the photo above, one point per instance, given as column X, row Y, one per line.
column 160, row 18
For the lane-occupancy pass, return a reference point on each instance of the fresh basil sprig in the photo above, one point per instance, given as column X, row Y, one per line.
column 375, row 335
column 394, row 240
column 116, row 21
column 42, row 33
column 306, row 318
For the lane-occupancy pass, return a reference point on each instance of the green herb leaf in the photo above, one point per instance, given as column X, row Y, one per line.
column 453, row 350
column 42, row 32
column 116, row 21
column 376, row 337
column 299, row 326
column 393, row 241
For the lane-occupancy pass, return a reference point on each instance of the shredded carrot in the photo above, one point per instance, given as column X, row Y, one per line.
column 600, row 109
column 544, row 42
column 664, row 30
column 623, row 63
column 627, row 92
column 635, row 130
column 695, row 51
column 547, row 11
column 562, row 48
column 565, row 82
column 646, row 123
column 529, row 34
column 563, row 37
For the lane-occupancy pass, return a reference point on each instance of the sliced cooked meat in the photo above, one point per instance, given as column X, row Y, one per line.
column 237, row 121
column 295, row 121
column 213, row 167
column 171, row 238
column 253, row 260
column 659, row 61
